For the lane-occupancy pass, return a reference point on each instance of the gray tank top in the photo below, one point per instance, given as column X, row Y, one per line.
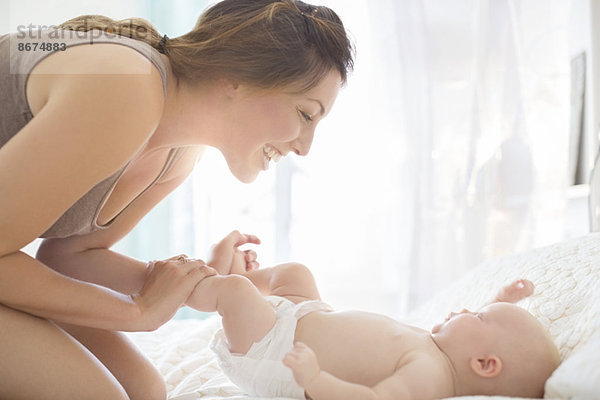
column 17, row 58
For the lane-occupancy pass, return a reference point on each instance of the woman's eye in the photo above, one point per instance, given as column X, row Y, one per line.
column 307, row 117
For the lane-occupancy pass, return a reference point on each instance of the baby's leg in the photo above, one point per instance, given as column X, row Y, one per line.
column 292, row 281
column 247, row 316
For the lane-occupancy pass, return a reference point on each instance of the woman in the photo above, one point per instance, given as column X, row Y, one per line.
column 99, row 121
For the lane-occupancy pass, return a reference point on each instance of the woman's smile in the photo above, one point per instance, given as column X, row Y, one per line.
column 270, row 153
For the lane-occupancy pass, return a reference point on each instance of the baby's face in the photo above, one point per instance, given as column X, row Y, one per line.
column 481, row 328
column 501, row 341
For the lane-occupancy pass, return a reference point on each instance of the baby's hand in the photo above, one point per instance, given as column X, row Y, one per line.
column 303, row 363
column 516, row 291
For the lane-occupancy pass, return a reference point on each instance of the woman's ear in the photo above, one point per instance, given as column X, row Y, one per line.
column 229, row 87
column 487, row 367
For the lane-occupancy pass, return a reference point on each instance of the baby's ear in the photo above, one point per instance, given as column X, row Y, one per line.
column 487, row 367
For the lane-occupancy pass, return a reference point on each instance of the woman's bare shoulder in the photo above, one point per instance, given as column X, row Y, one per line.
column 97, row 58
column 88, row 125
column 91, row 61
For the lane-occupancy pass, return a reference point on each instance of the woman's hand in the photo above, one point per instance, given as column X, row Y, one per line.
column 168, row 285
column 227, row 258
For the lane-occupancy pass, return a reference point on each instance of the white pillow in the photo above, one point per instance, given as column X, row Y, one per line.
column 578, row 377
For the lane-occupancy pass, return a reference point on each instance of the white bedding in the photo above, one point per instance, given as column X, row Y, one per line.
column 567, row 301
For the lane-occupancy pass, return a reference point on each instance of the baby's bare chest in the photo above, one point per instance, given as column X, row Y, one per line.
column 360, row 347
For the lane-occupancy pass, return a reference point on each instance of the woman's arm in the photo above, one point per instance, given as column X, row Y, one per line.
column 89, row 127
column 28, row 285
column 89, row 258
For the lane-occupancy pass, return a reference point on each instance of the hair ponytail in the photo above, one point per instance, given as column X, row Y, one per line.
column 268, row 44
column 134, row 28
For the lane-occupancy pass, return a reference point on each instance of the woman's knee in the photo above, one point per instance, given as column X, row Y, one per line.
column 145, row 383
column 115, row 350
column 36, row 367
column 150, row 387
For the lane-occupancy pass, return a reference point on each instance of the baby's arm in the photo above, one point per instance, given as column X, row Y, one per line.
column 514, row 292
column 406, row 382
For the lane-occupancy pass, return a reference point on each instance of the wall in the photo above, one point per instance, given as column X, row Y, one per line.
column 24, row 12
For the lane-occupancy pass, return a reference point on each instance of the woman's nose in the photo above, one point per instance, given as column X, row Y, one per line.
column 301, row 146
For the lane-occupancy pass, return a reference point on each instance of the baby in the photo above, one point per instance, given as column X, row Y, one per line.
column 291, row 344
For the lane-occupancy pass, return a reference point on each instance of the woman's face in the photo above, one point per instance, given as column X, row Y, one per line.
column 266, row 127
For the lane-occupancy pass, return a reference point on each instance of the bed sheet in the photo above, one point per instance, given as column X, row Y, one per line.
column 566, row 301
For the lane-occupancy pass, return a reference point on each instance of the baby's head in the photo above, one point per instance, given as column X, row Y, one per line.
column 500, row 350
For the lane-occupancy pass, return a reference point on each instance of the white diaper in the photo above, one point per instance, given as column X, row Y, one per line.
column 260, row 372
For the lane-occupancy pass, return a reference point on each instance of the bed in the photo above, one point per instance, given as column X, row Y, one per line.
column 566, row 301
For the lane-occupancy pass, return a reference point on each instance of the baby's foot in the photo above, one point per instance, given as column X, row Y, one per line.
column 251, row 257
column 516, row 291
column 243, row 261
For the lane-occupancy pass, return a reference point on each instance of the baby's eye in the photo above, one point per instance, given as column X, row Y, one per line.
column 479, row 316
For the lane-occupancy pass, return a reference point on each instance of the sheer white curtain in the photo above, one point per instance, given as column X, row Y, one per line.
column 448, row 147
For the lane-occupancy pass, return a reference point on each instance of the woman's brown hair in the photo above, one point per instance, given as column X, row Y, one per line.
column 267, row 44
